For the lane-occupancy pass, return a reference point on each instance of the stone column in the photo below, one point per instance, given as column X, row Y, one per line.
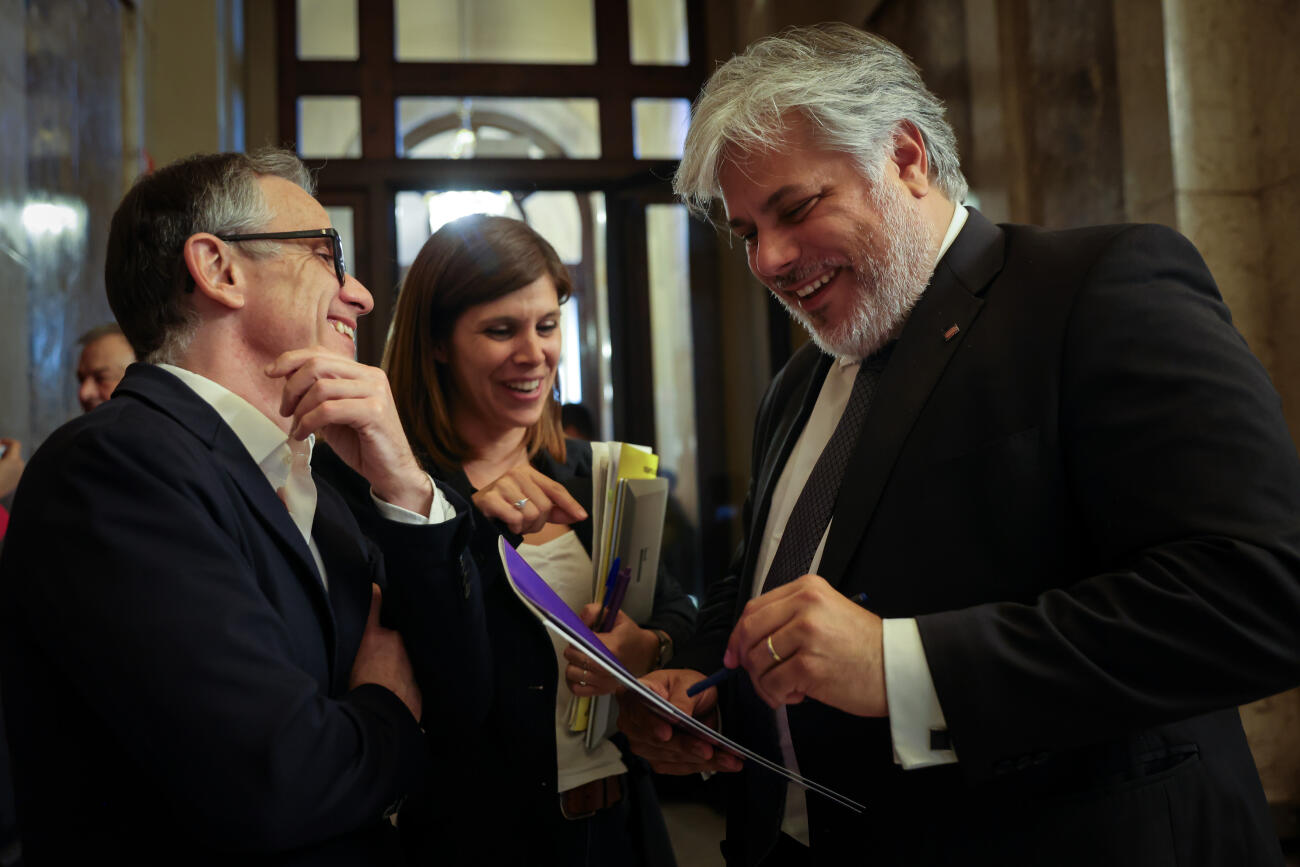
column 68, row 162
column 1235, row 142
column 15, row 408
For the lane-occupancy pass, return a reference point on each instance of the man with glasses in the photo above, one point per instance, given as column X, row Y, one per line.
column 198, row 674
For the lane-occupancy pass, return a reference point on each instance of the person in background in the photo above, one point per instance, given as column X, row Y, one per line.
column 577, row 423
column 472, row 360
column 11, row 470
column 1023, row 526
column 193, row 666
column 105, row 354
column 11, row 465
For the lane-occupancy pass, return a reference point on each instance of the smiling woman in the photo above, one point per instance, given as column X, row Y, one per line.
column 472, row 361
column 484, row 292
column 502, row 357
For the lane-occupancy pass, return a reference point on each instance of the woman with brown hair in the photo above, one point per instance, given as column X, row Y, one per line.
column 472, row 361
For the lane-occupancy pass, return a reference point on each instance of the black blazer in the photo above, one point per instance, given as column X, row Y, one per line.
column 507, row 768
column 1089, row 500
column 175, row 675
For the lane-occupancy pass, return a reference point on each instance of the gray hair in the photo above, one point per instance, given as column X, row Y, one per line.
column 148, row 283
column 99, row 332
column 853, row 87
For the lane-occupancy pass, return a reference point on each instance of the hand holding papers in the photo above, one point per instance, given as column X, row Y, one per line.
column 557, row 616
column 628, row 504
column 624, row 639
column 669, row 749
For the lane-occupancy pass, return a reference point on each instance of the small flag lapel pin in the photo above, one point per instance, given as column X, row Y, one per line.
column 950, row 333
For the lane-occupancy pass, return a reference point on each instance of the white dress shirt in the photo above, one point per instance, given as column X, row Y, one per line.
column 271, row 450
column 913, row 703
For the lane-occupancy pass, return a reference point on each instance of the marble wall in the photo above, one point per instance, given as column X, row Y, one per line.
column 60, row 178
column 1234, row 134
column 15, row 411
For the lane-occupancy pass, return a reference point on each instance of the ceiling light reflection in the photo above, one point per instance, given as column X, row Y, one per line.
column 445, row 207
column 58, row 217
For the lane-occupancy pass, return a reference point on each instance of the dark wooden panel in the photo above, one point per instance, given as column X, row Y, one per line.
column 328, row 77
column 716, row 536
column 629, row 320
column 613, row 56
column 494, row 174
column 378, row 123
column 287, row 65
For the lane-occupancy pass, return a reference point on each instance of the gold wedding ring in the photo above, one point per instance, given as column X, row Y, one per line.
column 776, row 657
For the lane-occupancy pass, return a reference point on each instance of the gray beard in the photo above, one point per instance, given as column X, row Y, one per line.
column 889, row 285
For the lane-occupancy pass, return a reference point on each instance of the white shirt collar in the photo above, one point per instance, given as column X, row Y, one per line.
column 260, row 436
column 959, row 215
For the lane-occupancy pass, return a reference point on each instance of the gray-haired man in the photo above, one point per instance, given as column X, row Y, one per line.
column 193, row 665
column 105, row 356
column 1052, row 466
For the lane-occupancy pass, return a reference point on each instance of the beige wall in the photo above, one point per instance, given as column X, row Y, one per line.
column 179, row 63
column 197, row 55
column 1234, row 120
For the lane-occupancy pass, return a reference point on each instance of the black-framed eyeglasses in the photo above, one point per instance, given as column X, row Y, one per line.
column 340, row 268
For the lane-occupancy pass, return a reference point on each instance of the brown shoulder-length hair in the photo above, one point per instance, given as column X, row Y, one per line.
column 470, row 261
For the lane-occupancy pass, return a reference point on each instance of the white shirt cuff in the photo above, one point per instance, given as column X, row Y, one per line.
column 913, row 703
column 439, row 510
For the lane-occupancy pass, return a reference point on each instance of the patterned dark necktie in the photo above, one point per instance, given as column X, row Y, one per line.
column 812, row 511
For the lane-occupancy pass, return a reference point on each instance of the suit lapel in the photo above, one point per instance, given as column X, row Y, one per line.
column 806, row 372
column 351, row 574
column 171, row 396
column 788, row 428
column 923, row 351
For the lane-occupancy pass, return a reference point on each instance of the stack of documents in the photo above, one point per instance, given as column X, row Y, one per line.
column 628, row 507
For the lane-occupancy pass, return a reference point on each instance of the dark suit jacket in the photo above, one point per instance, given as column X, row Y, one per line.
column 1089, row 500
column 175, row 675
column 508, row 767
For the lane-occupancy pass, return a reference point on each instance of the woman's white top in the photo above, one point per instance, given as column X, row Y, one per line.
column 566, row 566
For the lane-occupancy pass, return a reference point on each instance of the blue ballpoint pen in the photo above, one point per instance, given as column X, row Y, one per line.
column 723, row 673
column 609, row 589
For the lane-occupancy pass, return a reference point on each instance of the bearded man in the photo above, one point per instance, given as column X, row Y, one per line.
column 1050, row 471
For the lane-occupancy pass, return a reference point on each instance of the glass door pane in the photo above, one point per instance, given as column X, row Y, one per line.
column 658, row 32
column 495, row 31
column 673, row 360
column 443, row 127
column 327, row 30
